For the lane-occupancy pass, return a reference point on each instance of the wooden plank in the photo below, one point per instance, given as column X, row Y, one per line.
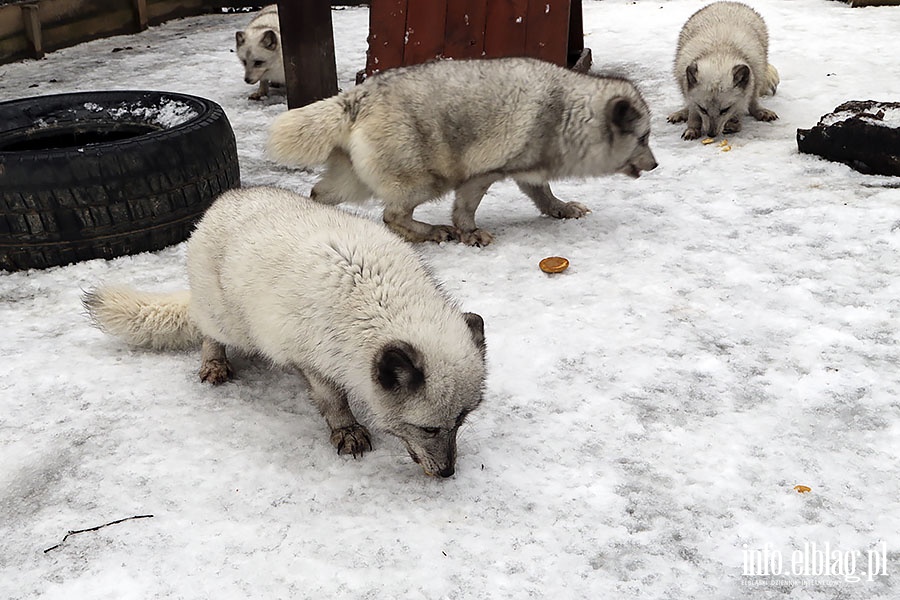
column 425, row 25
column 87, row 26
column 576, row 34
column 504, row 32
column 160, row 11
column 307, row 45
column 547, row 30
column 464, row 37
column 140, row 14
column 33, row 32
column 387, row 28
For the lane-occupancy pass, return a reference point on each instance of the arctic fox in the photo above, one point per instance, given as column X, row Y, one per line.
column 336, row 296
column 259, row 49
column 410, row 135
column 722, row 67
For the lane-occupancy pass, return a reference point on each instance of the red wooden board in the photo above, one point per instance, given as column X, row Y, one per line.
column 547, row 30
column 387, row 30
column 504, row 32
column 424, row 37
column 464, row 37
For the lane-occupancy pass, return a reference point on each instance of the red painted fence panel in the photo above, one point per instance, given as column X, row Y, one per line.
column 406, row 32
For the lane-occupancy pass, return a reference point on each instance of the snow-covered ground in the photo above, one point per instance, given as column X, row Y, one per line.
column 727, row 331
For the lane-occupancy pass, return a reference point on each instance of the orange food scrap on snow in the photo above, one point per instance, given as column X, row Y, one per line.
column 554, row 264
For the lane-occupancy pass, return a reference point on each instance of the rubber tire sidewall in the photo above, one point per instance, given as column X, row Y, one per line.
column 104, row 200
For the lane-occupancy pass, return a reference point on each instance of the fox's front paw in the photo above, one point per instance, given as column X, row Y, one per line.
column 477, row 237
column 569, row 210
column 764, row 114
column 733, row 125
column 691, row 133
column 257, row 95
column 352, row 439
column 678, row 116
column 216, row 371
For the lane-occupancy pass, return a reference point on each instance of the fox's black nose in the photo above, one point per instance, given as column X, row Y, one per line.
column 447, row 471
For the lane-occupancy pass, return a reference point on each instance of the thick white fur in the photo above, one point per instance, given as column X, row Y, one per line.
column 310, row 286
column 150, row 320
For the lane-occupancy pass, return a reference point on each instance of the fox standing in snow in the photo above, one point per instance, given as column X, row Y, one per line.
column 722, row 67
column 336, row 296
column 259, row 49
column 410, row 135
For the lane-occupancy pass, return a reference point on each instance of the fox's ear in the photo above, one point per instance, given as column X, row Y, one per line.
column 741, row 75
column 398, row 368
column 239, row 38
column 691, row 73
column 622, row 115
column 269, row 40
column 476, row 327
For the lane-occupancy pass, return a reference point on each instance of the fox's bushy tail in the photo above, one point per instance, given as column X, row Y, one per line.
column 149, row 320
column 305, row 137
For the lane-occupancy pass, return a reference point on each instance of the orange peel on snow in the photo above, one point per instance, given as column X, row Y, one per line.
column 554, row 264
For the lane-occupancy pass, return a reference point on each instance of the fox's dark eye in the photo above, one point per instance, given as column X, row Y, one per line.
column 258, row 63
column 724, row 110
column 432, row 431
column 703, row 110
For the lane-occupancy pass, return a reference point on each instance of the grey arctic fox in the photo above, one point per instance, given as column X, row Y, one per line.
column 410, row 135
column 338, row 297
column 722, row 67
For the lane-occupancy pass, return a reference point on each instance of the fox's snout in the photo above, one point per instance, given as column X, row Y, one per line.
column 436, row 459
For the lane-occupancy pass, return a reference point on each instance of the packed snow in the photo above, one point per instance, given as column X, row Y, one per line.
column 727, row 331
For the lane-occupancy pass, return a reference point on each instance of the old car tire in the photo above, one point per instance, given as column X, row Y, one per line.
column 103, row 174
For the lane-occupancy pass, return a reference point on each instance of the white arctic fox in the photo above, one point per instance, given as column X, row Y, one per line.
column 722, row 67
column 338, row 297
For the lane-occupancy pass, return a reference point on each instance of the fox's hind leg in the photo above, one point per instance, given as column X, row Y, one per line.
column 339, row 182
column 214, row 365
column 398, row 216
column 550, row 205
column 347, row 435
column 468, row 197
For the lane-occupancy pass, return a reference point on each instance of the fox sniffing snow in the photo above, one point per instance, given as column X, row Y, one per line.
column 339, row 297
column 722, row 67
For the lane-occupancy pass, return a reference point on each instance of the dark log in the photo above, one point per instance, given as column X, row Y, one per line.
column 864, row 134
column 307, row 45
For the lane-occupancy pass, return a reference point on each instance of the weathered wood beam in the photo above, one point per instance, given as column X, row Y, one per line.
column 140, row 14
column 33, row 29
column 307, row 44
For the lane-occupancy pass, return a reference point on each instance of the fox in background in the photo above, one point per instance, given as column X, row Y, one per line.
column 259, row 49
column 410, row 135
column 722, row 68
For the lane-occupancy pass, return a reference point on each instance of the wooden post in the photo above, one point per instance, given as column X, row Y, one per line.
column 140, row 14
column 33, row 29
column 307, row 45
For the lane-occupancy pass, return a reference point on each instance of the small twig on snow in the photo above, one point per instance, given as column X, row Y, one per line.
column 95, row 529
